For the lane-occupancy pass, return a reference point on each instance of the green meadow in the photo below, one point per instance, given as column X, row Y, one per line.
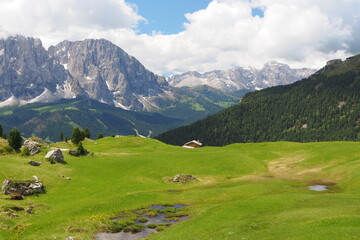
column 245, row 191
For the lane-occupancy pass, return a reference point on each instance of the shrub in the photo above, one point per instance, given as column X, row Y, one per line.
column 100, row 135
column 134, row 228
column 24, row 151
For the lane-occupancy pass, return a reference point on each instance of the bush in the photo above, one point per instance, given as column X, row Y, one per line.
column 24, row 152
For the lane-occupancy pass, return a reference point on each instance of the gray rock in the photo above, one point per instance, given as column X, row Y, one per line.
column 23, row 187
column 74, row 153
column 34, row 163
column 56, row 156
column 183, row 178
column 34, row 144
column 27, row 71
column 108, row 74
column 70, row 238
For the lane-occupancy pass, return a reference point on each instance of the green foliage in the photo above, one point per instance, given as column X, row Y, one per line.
column 87, row 133
column 1, row 131
column 24, row 151
column 15, row 139
column 143, row 220
column 324, row 107
column 61, row 136
column 81, row 150
column 100, row 135
column 77, row 136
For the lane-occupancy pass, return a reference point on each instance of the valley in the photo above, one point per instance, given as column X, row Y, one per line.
column 245, row 191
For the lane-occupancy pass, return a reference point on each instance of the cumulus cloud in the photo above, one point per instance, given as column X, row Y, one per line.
column 303, row 33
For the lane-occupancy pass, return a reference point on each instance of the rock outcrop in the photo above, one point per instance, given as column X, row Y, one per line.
column 27, row 71
column 108, row 74
column 55, row 156
column 33, row 144
column 34, row 163
column 181, row 178
column 23, row 187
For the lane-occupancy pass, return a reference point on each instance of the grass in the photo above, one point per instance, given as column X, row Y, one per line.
column 246, row 191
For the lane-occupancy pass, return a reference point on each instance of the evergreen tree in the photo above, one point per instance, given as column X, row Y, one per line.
column 15, row 139
column 61, row 136
column 100, row 135
column 66, row 139
column 87, row 133
column 81, row 150
column 77, row 136
column 1, row 131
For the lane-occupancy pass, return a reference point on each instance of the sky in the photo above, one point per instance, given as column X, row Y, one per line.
column 197, row 35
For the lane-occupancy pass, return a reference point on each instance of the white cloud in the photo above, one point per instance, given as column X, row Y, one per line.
column 301, row 33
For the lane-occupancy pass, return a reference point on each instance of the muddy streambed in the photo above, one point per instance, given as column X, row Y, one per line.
column 151, row 220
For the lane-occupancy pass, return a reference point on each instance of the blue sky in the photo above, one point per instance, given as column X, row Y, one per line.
column 166, row 16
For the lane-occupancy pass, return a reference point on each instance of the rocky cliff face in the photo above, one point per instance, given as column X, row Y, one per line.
column 96, row 69
column 109, row 74
column 272, row 74
column 27, row 71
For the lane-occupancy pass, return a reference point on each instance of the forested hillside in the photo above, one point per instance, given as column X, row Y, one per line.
column 324, row 107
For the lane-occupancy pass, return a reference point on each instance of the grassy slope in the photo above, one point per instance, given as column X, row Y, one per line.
column 248, row 191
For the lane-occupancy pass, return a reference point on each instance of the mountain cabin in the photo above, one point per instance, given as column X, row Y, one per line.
column 192, row 144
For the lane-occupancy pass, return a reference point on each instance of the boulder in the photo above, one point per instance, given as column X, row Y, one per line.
column 34, row 163
column 74, row 153
column 34, row 144
column 182, row 178
column 55, row 155
column 22, row 187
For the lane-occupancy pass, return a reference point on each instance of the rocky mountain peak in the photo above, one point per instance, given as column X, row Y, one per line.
column 107, row 73
column 273, row 73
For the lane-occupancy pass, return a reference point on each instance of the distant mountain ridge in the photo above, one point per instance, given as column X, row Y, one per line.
column 323, row 107
column 238, row 78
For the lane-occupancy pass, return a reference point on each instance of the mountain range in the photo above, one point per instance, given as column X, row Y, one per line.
column 100, row 70
column 272, row 74
column 323, row 107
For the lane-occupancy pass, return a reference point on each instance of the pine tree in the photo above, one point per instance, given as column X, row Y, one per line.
column 77, row 136
column 100, row 135
column 15, row 139
column 1, row 131
column 61, row 136
column 87, row 133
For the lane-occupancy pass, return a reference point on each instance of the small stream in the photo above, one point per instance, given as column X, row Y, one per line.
column 318, row 188
column 160, row 218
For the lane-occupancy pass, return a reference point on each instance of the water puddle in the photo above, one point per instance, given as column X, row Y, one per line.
column 318, row 188
column 158, row 218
